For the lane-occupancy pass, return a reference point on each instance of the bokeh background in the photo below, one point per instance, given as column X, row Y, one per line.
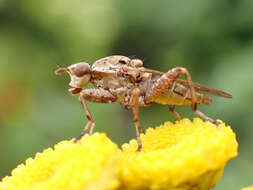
column 213, row 39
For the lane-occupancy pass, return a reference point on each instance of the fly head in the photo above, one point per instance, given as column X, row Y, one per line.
column 80, row 74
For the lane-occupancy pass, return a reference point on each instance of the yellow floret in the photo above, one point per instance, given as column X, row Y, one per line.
column 92, row 163
column 181, row 156
column 178, row 156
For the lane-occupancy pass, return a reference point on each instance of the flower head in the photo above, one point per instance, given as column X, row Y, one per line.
column 182, row 155
column 89, row 164
column 174, row 156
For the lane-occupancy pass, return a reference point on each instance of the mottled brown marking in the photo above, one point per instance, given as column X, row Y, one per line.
column 98, row 95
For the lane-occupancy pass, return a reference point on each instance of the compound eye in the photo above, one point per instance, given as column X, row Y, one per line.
column 81, row 69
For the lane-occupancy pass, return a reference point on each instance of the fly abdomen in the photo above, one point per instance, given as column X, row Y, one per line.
column 179, row 94
column 185, row 93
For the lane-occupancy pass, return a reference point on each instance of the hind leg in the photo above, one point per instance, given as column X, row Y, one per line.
column 203, row 116
column 165, row 81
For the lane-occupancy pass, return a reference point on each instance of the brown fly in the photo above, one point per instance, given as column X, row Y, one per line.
column 124, row 80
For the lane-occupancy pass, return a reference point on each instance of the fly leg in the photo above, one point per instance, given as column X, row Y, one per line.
column 93, row 95
column 203, row 116
column 166, row 80
column 137, row 126
column 176, row 115
column 90, row 124
column 134, row 102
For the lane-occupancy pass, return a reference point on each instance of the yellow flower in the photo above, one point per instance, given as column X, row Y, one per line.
column 178, row 156
column 89, row 164
column 248, row 188
column 185, row 155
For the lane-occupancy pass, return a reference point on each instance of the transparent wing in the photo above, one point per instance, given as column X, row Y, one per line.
column 197, row 86
column 203, row 88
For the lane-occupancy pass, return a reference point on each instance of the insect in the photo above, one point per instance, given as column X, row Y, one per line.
column 121, row 79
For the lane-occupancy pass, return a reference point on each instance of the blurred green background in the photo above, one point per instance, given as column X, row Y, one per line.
column 213, row 39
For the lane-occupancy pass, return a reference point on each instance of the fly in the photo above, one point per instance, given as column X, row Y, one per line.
column 124, row 80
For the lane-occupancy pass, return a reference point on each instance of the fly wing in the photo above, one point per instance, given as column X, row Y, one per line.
column 197, row 86
column 143, row 69
column 203, row 88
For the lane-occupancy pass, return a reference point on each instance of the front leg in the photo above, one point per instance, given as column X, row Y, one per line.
column 93, row 95
column 90, row 124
